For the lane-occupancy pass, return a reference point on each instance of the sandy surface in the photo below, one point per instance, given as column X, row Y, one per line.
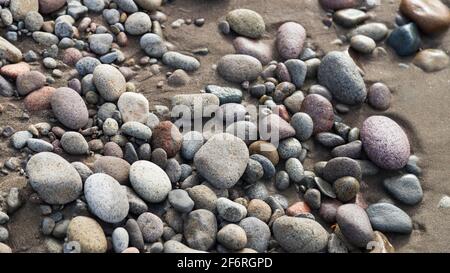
column 420, row 105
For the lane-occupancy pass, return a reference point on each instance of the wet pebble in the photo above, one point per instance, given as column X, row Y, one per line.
column 386, row 217
column 405, row 188
column 379, row 96
column 431, row 60
column 362, row 44
column 405, row 40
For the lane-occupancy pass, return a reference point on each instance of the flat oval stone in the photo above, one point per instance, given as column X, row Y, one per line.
column 431, row 60
column 430, row 15
column 321, row 112
column 136, row 129
column 49, row 6
column 273, row 127
column 88, row 233
column 290, row 39
column 246, row 23
column 180, row 61
column 74, row 143
column 300, row 235
column 350, row 17
column 376, row 31
column 225, row 94
column 354, row 224
column 152, row 188
column 222, row 160
column 340, row 75
column 69, row 108
column 405, row 188
column 110, row 83
column 385, row 142
column 29, row 81
column 40, row 99
column 386, row 217
column 153, row 45
column 239, row 68
column 256, row 48
column 53, row 178
column 133, row 107
column 362, row 44
column 106, row 198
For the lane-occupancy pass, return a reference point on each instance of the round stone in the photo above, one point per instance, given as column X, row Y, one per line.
column 300, row 235
column 259, row 209
column 346, row 188
column 362, row 44
column 320, row 110
column 203, row 197
column 229, row 210
column 180, row 61
column 405, row 188
column 376, row 31
column 167, row 136
column 313, row 198
column 379, row 96
column 341, row 166
column 106, row 198
column 255, row 48
column 405, row 40
column 328, row 210
column 153, row 188
column 340, row 75
column 246, row 23
column 385, row 142
column 290, row 39
column 238, row 68
column 431, row 60
column 69, row 108
column 222, row 169
column 180, row 200
column 153, row 45
column 289, row 147
column 265, row 149
column 191, row 142
column 29, row 81
column 88, row 233
column 137, row 130
column 120, row 239
column 33, row 21
column 138, row 23
column 40, row 99
column 232, row 237
column 74, row 143
column 133, row 107
column 53, row 178
column 431, row 16
column 113, row 166
column 110, row 83
column 151, row 227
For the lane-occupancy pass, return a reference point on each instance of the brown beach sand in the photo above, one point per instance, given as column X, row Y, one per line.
column 420, row 105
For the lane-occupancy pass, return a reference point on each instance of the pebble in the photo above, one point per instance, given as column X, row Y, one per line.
column 340, row 75
column 49, row 6
column 405, row 188
column 203, row 197
column 350, row 17
column 431, row 16
column 33, row 21
column 208, row 103
column 4, row 234
column 258, row 233
column 352, row 149
column 113, row 166
column 53, row 178
column 297, row 71
column 289, row 147
column 245, row 130
column 40, row 99
column 178, row 78
column 255, row 48
column 128, row 6
column 346, row 188
column 167, row 136
column 273, row 127
column 74, row 143
column 266, row 149
column 20, row 8
column 173, row 246
column 379, row 96
column 71, row 56
column 112, row 16
column 82, row 170
column 4, row 218
column 267, row 165
column 200, row 229
column 108, row 80
column 362, row 44
column 223, row 169
column 232, row 237
column 151, row 227
column 133, row 107
column 239, row 68
column 87, row 65
column 229, row 210
column 191, row 142
column 44, row 38
column 412, row 167
column 253, row 172
column 246, row 22
column 134, row 233
column 320, row 111
column 431, row 60
column 444, row 202
column 313, row 198
column 386, row 217
column 88, row 233
column 338, row 4
column 294, row 102
column 282, row 180
column 159, row 157
column 106, row 198
column 29, row 81
column 149, row 5
column 120, row 239
column 110, row 127
column 385, row 142
column 180, row 61
column 328, row 210
column 259, row 209
column 19, row 139
column 290, row 39
column 300, row 235
column 225, row 94
column 100, row 43
column 138, row 23
column 341, row 166
column 137, row 130
column 376, row 31
column 154, row 188
column 329, row 140
column 405, row 40
column 354, row 225
column 180, row 200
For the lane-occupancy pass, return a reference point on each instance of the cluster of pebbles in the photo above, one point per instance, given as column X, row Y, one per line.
column 136, row 183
